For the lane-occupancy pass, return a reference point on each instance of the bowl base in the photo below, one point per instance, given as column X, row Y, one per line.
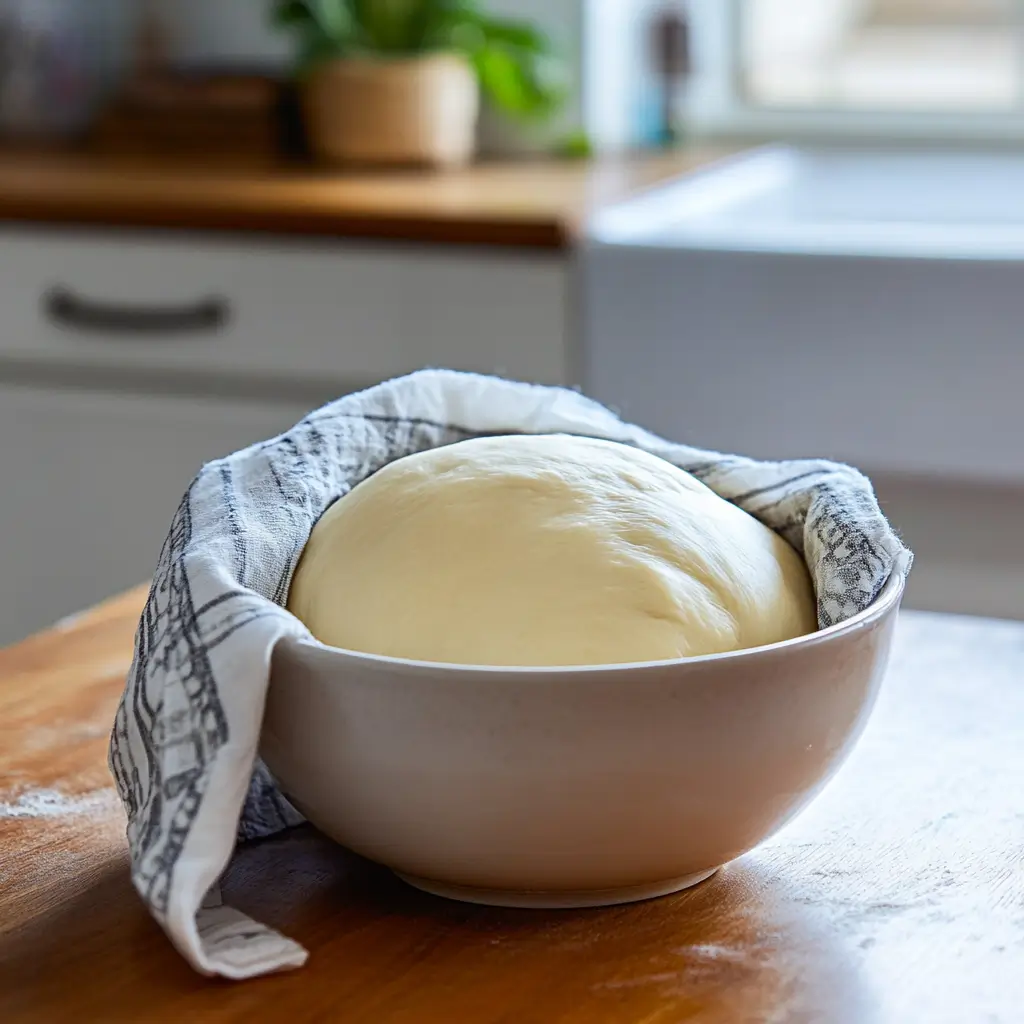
column 556, row 900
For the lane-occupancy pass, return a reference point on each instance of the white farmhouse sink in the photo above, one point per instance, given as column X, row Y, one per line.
column 861, row 305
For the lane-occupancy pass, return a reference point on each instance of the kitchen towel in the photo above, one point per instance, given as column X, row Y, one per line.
column 184, row 746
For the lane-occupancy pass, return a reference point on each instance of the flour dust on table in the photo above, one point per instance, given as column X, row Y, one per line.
column 184, row 749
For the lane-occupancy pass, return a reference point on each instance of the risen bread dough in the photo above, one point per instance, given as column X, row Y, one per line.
column 545, row 550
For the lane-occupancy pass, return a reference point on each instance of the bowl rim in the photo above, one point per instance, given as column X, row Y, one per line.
column 888, row 597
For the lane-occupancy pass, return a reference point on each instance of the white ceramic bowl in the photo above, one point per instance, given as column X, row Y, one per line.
column 573, row 786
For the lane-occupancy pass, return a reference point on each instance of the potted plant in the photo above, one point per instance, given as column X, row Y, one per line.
column 399, row 81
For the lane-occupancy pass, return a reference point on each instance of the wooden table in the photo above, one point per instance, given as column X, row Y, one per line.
column 897, row 898
column 539, row 204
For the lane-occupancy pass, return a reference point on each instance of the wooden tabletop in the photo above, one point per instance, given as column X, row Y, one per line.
column 897, row 898
column 513, row 204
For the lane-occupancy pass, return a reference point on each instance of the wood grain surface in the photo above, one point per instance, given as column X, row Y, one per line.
column 897, row 898
column 539, row 205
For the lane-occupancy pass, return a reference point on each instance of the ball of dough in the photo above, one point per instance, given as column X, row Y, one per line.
column 545, row 550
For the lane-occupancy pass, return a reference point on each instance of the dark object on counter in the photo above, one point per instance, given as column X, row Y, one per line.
column 58, row 61
column 213, row 115
column 294, row 140
column 672, row 59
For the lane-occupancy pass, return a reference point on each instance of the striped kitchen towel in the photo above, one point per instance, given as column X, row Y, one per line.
column 184, row 745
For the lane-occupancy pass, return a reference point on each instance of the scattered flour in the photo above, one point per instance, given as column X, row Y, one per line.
column 68, row 622
column 643, row 980
column 49, row 803
column 711, row 952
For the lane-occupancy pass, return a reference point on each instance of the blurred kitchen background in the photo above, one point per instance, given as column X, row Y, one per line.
column 771, row 226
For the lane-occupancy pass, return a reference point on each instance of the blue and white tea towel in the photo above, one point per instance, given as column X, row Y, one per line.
column 184, row 746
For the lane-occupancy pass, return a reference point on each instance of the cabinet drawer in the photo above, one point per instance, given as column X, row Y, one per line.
column 305, row 312
column 91, row 482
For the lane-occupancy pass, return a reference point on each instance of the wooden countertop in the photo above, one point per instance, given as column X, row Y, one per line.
column 898, row 898
column 538, row 205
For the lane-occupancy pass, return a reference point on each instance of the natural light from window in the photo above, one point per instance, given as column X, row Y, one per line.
column 900, row 56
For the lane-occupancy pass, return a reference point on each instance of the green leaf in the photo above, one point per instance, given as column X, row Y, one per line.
column 575, row 146
column 288, row 13
column 315, row 49
column 499, row 79
column 514, row 82
column 453, row 28
column 333, row 17
column 392, row 26
column 518, row 35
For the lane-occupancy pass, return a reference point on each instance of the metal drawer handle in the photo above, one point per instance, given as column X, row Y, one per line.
column 65, row 308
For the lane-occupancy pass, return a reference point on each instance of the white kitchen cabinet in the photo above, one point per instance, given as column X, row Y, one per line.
column 127, row 360
column 89, row 483
column 289, row 311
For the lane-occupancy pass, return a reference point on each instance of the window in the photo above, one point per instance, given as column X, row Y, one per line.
column 917, row 67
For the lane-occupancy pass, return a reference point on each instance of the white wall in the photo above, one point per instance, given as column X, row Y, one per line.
column 213, row 31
